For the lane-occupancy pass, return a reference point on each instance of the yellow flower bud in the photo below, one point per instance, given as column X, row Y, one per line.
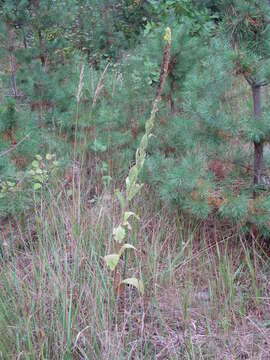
column 168, row 36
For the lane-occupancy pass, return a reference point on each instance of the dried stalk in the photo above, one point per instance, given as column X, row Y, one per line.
column 78, row 97
column 99, row 86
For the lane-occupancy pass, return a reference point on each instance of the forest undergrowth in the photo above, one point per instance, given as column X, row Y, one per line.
column 90, row 271
column 206, row 288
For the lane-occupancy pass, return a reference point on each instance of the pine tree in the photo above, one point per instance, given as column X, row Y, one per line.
column 43, row 44
column 199, row 159
column 246, row 24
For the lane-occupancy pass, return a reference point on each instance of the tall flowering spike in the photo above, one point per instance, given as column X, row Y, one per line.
column 168, row 35
column 164, row 66
column 132, row 187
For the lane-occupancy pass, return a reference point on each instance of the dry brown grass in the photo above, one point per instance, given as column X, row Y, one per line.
column 207, row 292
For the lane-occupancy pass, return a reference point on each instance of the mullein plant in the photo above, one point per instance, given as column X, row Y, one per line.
column 132, row 187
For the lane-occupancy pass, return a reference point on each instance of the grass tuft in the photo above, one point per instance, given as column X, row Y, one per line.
column 205, row 298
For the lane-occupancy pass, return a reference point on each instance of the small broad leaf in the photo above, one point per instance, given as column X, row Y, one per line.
column 126, row 246
column 38, row 178
column 38, row 157
column 127, row 183
column 69, row 193
column 112, row 260
column 127, row 224
column 138, row 284
column 10, row 184
column 35, row 164
column 119, row 233
column 133, row 190
column 140, row 159
column 133, row 174
column 37, row 186
column 144, row 142
column 148, row 126
column 120, row 198
column 140, row 156
column 48, row 157
column 127, row 215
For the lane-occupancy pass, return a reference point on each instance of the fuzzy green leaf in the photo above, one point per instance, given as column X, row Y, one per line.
column 133, row 191
column 121, row 199
column 35, row 164
column 144, row 142
column 138, row 284
column 37, row 186
column 133, row 174
column 119, row 233
column 127, row 215
column 38, row 178
column 10, row 184
column 126, row 246
column 112, row 260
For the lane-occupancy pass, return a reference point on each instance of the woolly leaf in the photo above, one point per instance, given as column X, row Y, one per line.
column 133, row 174
column 119, row 233
column 35, row 164
column 127, row 215
column 126, row 246
column 37, row 186
column 138, row 284
column 112, row 260
column 134, row 190
column 120, row 198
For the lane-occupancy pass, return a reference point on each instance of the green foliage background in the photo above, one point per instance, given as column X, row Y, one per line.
column 200, row 158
